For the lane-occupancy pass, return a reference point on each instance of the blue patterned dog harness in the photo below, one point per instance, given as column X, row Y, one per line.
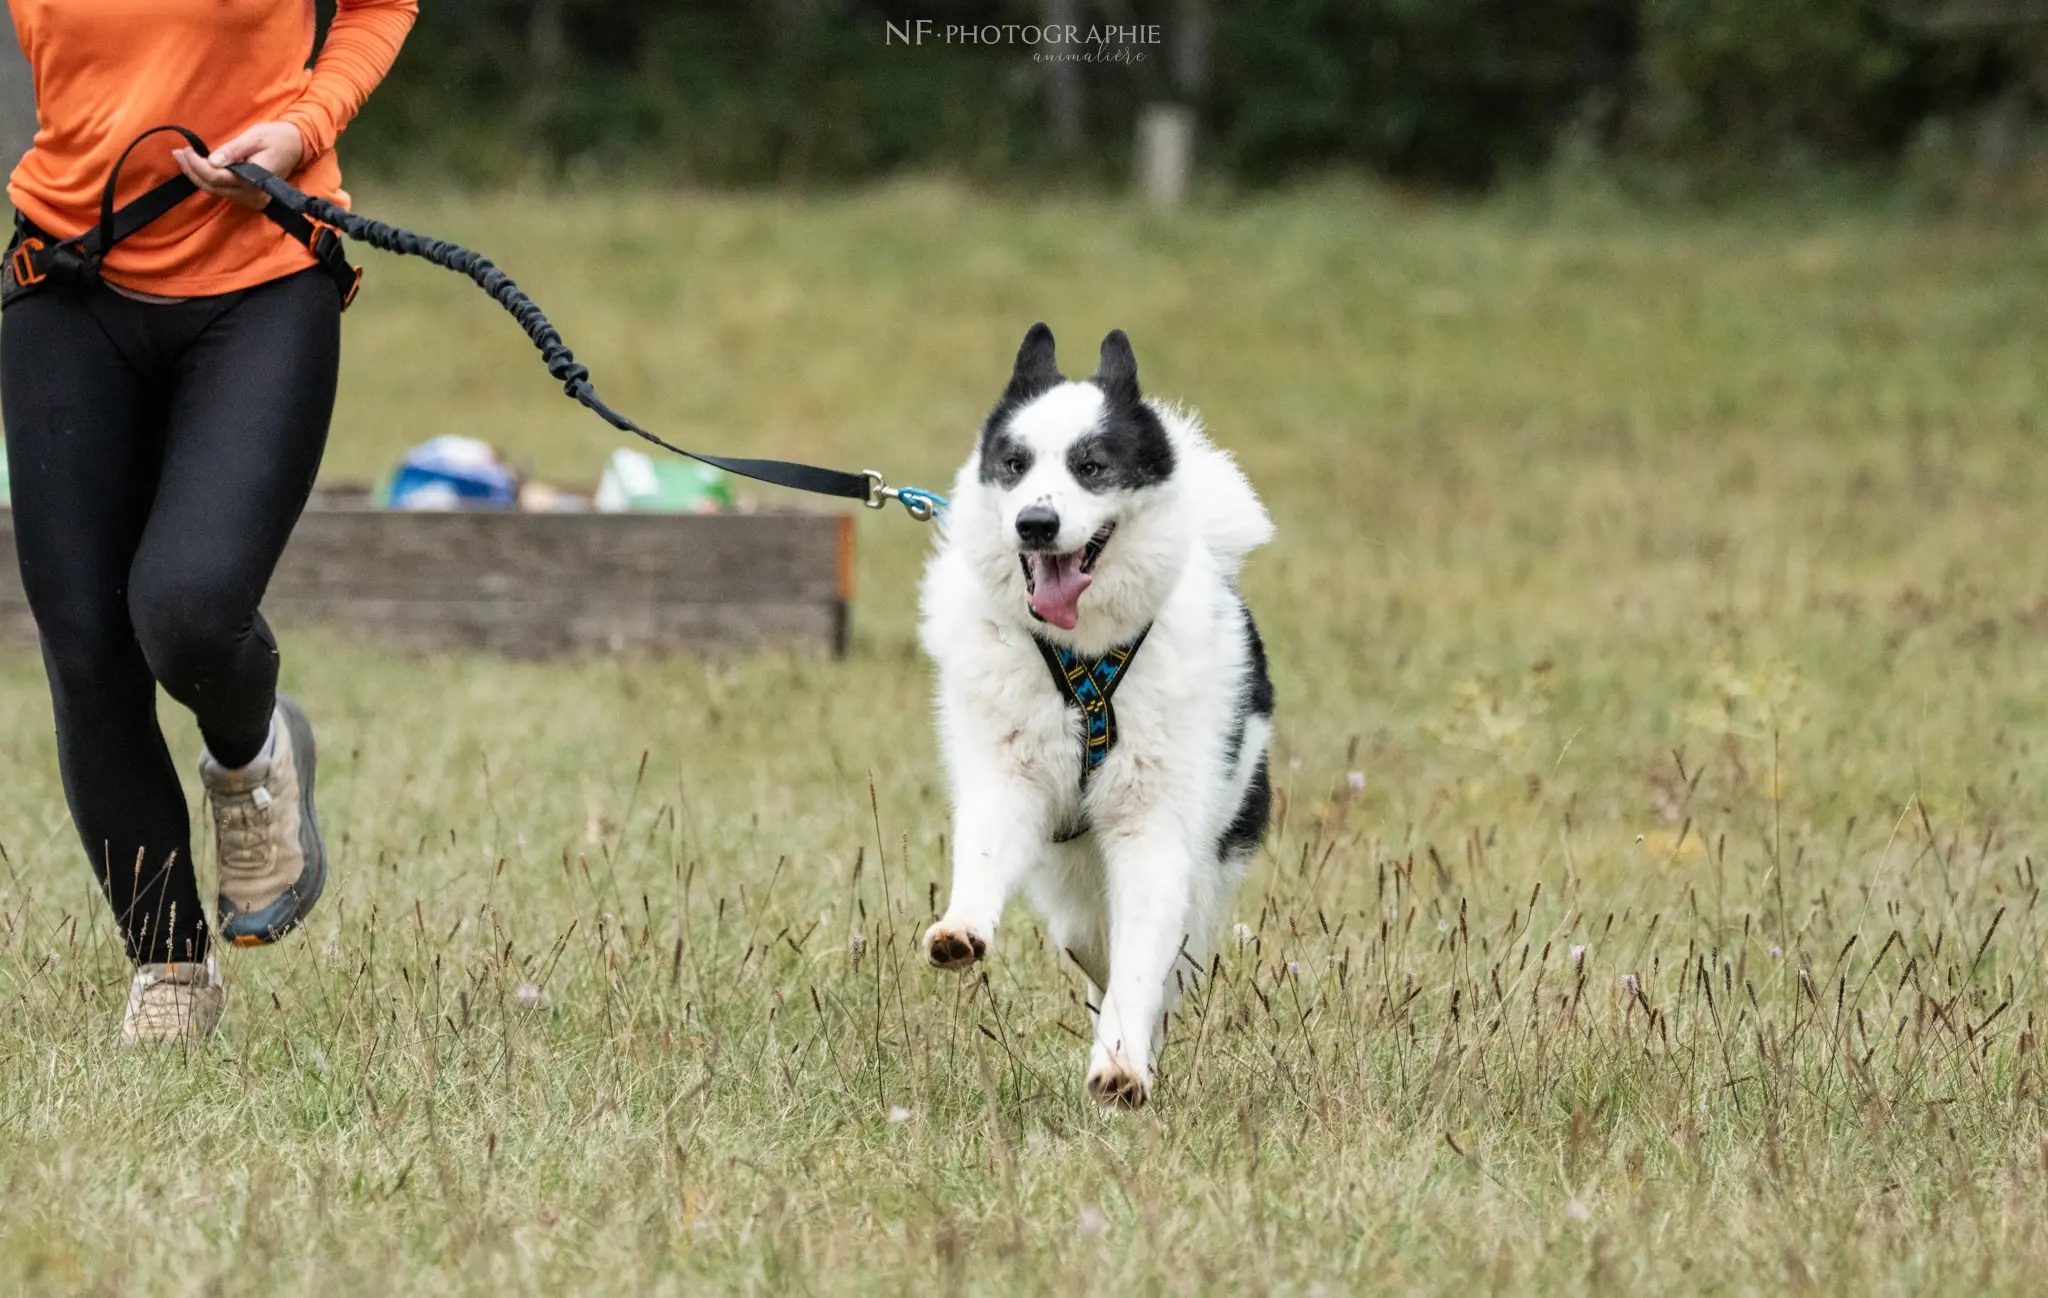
column 1088, row 684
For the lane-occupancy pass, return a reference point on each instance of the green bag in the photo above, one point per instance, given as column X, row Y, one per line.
column 636, row 483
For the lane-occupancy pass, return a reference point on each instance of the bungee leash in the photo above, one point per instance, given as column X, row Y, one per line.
column 35, row 259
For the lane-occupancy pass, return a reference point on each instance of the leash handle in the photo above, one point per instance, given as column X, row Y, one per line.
column 573, row 375
column 151, row 205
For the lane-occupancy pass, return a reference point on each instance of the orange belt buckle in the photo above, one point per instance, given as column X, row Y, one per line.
column 354, row 285
column 25, row 272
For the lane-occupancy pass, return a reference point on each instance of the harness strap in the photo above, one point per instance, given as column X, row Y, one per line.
column 1089, row 684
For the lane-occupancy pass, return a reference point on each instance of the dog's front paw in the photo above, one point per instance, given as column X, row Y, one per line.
column 951, row 946
column 1112, row 1085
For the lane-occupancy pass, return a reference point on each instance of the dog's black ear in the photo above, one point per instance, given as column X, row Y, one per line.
column 1036, row 370
column 1118, row 374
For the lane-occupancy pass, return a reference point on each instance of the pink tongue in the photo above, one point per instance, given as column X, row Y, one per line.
column 1056, row 589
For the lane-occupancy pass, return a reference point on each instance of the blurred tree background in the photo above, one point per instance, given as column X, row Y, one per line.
column 1459, row 93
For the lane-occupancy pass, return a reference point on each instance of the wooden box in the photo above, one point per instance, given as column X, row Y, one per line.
column 544, row 585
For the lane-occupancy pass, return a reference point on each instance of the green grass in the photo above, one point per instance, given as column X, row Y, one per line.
column 1676, row 587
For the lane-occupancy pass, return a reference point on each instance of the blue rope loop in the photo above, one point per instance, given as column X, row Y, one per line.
column 923, row 505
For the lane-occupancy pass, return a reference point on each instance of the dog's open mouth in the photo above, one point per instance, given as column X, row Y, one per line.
column 1055, row 581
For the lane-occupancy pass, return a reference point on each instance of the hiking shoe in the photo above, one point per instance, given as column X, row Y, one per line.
column 173, row 1002
column 272, row 862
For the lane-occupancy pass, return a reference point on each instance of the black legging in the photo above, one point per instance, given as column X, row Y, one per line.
column 160, row 455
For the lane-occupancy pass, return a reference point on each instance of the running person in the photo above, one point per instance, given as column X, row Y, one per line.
column 164, row 426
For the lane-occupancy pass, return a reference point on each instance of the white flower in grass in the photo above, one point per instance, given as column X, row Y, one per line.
column 1355, row 781
column 527, row 994
column 898, row 1115
column 1294, row 968
column 1578, row 1211
column 1579, row 957
column 1777, row 952
column 1632, row 984
column 1092, row 1225
column 1243, row 933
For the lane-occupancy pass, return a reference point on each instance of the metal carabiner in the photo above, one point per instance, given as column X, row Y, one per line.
column 920, row 505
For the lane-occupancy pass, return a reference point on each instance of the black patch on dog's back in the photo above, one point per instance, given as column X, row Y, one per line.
column 1255, row 699
column 1129, row 449
column 1259, row 685
column 1255, row 692
column 1249, row 825
column 1037, row 372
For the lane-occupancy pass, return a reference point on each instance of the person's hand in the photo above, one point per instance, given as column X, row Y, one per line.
column 276, row 146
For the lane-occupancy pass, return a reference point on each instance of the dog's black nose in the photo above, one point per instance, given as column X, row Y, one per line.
column 1038, row 526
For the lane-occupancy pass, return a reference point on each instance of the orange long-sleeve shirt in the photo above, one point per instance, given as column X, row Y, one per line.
column 108, row 70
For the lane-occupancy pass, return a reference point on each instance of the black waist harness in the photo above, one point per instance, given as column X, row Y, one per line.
column 1089, row 684
column 37, row 259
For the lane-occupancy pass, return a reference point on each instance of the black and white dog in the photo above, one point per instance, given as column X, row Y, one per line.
column 1103, row 701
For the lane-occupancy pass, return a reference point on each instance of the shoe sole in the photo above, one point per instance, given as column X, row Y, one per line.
column 262, row 927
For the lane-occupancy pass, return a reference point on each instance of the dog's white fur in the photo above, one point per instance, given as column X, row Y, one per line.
column 1137, row 899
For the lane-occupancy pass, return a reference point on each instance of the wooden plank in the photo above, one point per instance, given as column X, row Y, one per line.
column 648, row 557
column 521, row 629
column 540, row 585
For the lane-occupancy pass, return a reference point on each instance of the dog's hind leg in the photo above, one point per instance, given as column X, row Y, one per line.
column 998, row 835
column 1069, row 893
column 1215, row 888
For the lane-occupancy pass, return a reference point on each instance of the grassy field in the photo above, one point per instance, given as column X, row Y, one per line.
column 1658, row 617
